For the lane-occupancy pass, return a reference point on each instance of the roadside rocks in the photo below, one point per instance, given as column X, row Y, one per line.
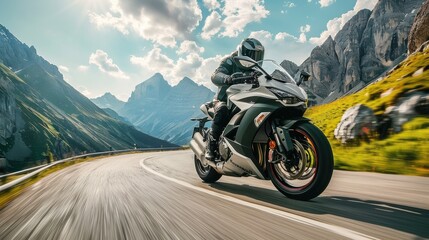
column 407, row 108
column 356, row 123
column 359, row 123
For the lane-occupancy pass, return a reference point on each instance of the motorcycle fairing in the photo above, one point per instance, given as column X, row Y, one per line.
column 241, row 130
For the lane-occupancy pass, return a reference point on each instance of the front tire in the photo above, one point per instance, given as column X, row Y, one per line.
column 309, row 173
column 207, row 174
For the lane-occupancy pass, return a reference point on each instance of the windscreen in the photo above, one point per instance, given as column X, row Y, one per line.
column 276, row 71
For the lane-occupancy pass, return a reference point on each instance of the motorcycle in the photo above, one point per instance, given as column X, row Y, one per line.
column 267, row 136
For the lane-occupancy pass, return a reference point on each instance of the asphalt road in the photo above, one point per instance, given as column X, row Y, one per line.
column 159, row 196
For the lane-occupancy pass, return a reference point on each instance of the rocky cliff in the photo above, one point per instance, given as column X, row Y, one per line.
column 420, row 30
column 369, row 44
column 7, row 110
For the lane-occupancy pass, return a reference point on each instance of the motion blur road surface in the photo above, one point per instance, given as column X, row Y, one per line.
column 159, row 196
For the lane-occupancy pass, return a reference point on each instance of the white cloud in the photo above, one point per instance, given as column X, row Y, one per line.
column 334, row 25
column 212, row 25
column 63, row 69
column 160, row 21
column 325, row 3
column 192, row 66
column 239, row 13
column 364, row 4
column 204, row 73
column 187, row 47
column 211, row 4
column 283, row 36
column 289, row 4
column 106, row 65
column 84, row 91
column 234, row 17
column 82, row 68
column 154, row 60
column 304, row 29
column 283, row 46
column 263, row 34
column 186, row 67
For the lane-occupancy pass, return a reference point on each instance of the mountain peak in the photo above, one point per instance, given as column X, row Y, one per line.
column 108, row 100
column 6, row 35
column 156, row 78
column 109, row 95
column 328, row 41
column 187, row 82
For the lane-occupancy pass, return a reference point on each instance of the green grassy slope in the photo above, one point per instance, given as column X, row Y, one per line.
column 406, row 152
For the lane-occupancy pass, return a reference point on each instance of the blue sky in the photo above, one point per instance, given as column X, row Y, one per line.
column 113, row 45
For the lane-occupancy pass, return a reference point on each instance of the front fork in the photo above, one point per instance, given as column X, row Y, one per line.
column 282, row 142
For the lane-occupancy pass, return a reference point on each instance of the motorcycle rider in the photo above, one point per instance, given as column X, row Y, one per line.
column 223, row 77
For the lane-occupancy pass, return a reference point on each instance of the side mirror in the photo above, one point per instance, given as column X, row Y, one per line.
column 245, row 62
column 303, row 77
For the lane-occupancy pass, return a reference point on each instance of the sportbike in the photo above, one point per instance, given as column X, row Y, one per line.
column 267, row 136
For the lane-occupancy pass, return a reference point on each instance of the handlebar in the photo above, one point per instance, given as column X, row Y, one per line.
column 242, row 79
column 251, row 79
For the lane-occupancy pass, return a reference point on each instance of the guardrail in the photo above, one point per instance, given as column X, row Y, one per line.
column 36, row 170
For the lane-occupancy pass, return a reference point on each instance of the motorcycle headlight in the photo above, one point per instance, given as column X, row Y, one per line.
column 285, row 97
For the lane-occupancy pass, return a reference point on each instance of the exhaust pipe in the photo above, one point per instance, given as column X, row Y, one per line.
column 199, row 139
column 199, row 148
column 196, row 149
column 197, row 145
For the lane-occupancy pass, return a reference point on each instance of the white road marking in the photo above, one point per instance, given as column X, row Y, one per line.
column 386, row 206
column 292, row 217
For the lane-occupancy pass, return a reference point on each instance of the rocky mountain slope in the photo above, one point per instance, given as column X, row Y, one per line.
column 369, row 44
column 41, row 114
column 419, row 31
column 108, row 101
column 164, row 111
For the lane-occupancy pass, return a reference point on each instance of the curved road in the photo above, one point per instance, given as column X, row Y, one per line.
column 159, row 196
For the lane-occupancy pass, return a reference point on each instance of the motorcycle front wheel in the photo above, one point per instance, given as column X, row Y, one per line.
column 306, row 173
column 207, row 174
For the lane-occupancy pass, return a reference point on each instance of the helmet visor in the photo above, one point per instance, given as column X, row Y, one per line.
column 256, row 55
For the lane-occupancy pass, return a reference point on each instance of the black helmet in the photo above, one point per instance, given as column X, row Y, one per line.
column 252, row 48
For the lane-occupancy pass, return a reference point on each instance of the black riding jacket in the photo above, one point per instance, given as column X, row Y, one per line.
column 226, row 68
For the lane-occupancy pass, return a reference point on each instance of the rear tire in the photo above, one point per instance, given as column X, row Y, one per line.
column 207, row 174
column 316, row 173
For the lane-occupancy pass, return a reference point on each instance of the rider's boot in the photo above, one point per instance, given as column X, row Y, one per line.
column 211, row 147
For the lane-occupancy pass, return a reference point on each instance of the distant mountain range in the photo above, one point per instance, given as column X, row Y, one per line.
column 108, row 101
column 162, row 110
column 369, row 44
column 41, row 114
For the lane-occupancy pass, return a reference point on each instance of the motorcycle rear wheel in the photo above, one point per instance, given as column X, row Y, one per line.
column 304, row 179
column 207, row 174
